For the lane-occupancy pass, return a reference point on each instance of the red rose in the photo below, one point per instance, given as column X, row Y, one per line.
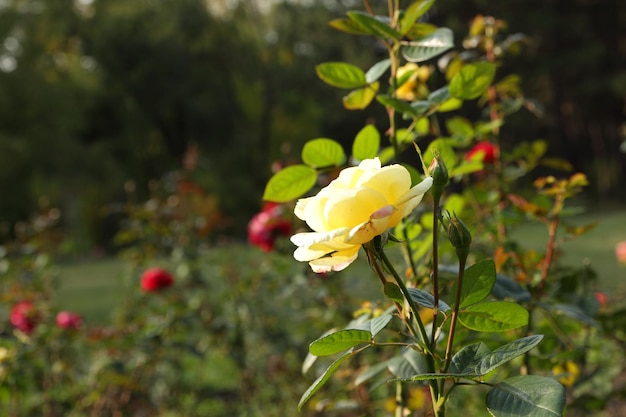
column 486, row 149
column 156, row 279
column 69, row 320
column 265, row 227
column 24, row 317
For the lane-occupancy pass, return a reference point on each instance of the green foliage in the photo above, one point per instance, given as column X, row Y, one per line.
column 481, row 298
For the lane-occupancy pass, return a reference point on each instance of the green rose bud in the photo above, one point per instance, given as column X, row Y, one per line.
column 459, row 236
column 439, row 172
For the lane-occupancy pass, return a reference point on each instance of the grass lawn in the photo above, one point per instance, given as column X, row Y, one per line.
column 91, row 287
column 596, row 247
column 94, row 287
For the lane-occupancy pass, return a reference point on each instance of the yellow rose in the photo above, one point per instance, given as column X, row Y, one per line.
column 363, row 202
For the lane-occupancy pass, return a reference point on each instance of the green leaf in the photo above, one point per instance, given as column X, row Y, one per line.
column 414, row 12
column 290, row 183
column 494, row 316
column 455, row 203
column 360, row 98
column 472, row 80
column 450, row 105
column 441, row 146
column 386, row 155
column 461, row 130
column 466, row 167
column 323, row 152
column 341, row 74
column 439, row 95
column 429, row 46
column 466, row 360
column 348, row 26
column 319, row 382
column 528, row 396
column 339, row 341
column 377, row 26
column 426, row 299
column 377, row 70
column 506, row 353
column 478, row 281
column 478, row 360
column 366, row 143
column 404, row 136
column 397, row 105
column 392, row 291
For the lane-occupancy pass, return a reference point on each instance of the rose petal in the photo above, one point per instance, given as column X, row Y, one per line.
column 336, row 262
column 375, row 226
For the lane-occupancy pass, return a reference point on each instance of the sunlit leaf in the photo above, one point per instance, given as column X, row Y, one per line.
column 290, row 183
column 361, row 97
column 450, row 105
column 377, row 26
column 412, row 13
column 339, row 341
column 472, row 80
column 341, row 74
column 323, row 152
column 366, row 143
column 494, row 316
column 348, row 26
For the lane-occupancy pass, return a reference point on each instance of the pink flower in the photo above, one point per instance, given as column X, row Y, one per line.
column 68, row 320
column 156, row 279
column 620, row 252
column 487, row 150
column 24, row 317
column 265, row 227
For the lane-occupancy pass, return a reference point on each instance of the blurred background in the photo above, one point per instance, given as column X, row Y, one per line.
column 99, row 98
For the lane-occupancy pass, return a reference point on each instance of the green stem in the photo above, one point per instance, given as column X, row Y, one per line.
column 433, row 338
column 407, row 296
column 430, row 357
column 455, row 313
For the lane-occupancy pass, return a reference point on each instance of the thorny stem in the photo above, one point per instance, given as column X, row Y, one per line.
column 551, row 246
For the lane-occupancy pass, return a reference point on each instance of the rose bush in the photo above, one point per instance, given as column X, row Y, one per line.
column 361, row 203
